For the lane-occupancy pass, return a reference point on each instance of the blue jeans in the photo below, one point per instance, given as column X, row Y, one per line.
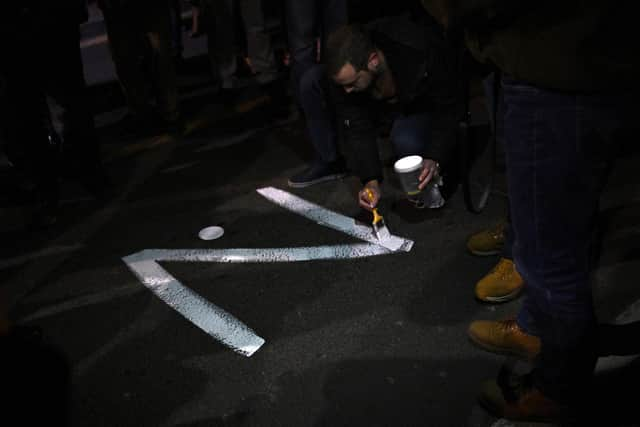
column 320, row 115
column 411, row 134
column 557, row 146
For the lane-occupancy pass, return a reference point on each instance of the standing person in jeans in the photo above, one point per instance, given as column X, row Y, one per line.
column 134, row 26
column 570, row 72
column 309, row 22
column 219, row 19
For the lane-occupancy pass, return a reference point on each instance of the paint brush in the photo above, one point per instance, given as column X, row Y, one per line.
column 379, row 227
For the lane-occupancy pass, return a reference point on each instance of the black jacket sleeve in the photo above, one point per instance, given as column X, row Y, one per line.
column 358, row 133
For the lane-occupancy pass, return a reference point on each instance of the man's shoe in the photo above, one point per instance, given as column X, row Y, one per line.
column 503, row 283
column 318, row 173
column 522, row 402
column 487, row 242
column 504, row 337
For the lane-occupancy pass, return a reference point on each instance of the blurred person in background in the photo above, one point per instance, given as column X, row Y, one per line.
column 139, row 29
column 46, row 117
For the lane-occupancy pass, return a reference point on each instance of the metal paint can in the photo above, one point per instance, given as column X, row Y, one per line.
column 408, row 169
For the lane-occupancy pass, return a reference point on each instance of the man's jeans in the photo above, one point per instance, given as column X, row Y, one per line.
column 557, row 146
column 409, row 134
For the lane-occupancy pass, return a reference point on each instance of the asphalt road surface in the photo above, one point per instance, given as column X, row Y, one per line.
column 368, row 341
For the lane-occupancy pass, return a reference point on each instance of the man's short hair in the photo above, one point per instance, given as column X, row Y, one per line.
column 349, row 44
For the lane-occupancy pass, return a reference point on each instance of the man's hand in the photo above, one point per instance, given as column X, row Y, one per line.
column 429, row 169
column 366, row 202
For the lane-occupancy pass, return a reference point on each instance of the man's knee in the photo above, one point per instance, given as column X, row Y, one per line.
column 407, row 141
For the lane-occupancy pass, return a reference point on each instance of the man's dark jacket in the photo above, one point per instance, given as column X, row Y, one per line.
column 584, row 46
column 424, row 68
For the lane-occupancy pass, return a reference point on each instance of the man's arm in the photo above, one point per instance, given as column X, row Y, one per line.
column 359, row 133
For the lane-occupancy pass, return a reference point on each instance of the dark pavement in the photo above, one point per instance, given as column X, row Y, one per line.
column 376, row 341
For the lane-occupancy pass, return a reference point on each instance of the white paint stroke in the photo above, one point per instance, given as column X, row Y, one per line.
column 205, row 315
column 332, row 219
column 53, row 250
column 310, row 253
column 215, row 321
column 610, row 363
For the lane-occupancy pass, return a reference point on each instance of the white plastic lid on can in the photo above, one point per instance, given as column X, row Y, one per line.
column 408, row 164
column 211, row 233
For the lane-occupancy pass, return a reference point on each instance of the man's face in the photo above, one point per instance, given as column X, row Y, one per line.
column 354, row 81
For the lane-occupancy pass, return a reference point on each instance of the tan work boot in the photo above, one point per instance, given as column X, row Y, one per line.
column 487, row 242
column 504, row 337
column 526, row 403
column 503, row 283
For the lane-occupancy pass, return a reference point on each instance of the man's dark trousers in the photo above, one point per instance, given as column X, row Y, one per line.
column 557, row 146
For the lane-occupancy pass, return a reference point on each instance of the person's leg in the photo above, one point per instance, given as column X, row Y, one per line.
column 327, row 163
column 176, row 29
column 302, row 32
column 410, row 135
column 318, row 113
column 66, row 85
column 126, row 43
column 31, row 144
column 554, row 150
column 158, row 32
column 334, row 15
column 259, row 47
column 218, row 19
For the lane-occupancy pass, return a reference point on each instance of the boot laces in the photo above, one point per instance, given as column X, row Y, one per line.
column 497, row 232
column 504, row 269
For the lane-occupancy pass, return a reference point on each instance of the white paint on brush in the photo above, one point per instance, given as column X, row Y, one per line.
column 202, row 313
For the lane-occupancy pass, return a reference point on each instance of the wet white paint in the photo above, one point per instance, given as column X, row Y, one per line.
column 205, row 315
column 333, row 220
column 220, row 324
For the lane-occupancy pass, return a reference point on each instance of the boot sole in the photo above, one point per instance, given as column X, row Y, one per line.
column 316, row 181
column 485, row 253
column 499, row 350
column 505, row 298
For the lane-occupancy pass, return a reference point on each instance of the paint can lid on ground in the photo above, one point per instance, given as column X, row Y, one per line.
column 211, row 233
